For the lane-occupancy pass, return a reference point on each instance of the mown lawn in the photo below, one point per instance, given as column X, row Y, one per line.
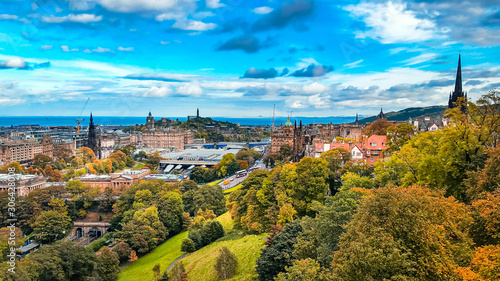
column 200, row 264
column 138, row 167
column 214, row 182
column 165, row 254
column 227, row 191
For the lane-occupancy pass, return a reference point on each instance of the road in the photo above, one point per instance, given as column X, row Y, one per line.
column 235, row 181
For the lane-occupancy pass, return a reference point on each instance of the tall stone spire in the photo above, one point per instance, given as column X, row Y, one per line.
column 458, row 92
column 357, row 121
column 381, row 115
column 92, row 142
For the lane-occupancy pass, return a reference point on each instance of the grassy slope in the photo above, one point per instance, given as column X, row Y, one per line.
column 214, row 182
column 165, row 254
column 227, row 191
column 200, row 264
column 138, row 167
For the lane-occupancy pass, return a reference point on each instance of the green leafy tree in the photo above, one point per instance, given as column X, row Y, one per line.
column 321, row 235
column 53, row 224
column 226, row 264
column 304, row 270
column 399, row 135
column 336, row 159
column 278, row 255
column 188, row 245
column 108, row 265
column 405, row 234
column 170, row 209
column 285, row 152
column 156, row 271
column 40, row 161
column 123, row 251
column 210, row 198
column 351, row 180
column 12, row 166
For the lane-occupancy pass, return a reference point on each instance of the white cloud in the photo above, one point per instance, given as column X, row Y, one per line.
column 193, row 25
column 262, row 10
column 58, row 10
column 392, row 23
column 133, row 6
column 14, row 62
column 296, row 104
column 202, row 15
column 157, row 92
column 190, row 89
column 213, row 4
column 168, row 16
column 8, row 17
column 353, row 64
column 102, row 50
column 165, row 42
column 9, row 101
column 420, row 58
column 81, row 18
column 315, row 88
column 88, row 51
column 127, row 49
column 46, row 47
column 67, row 49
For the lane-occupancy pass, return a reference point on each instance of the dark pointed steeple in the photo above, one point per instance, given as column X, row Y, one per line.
column 92, row 138
column 458, row 91
column 381, row 115
column 458, row 79
column 357, row 121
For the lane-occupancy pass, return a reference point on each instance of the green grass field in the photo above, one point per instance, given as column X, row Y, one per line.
column 214, row 182
column 200, row 264
column 227, row 191
column 165, row 254
column 139, row 166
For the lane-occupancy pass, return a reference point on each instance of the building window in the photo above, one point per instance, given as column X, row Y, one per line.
column 371, row 159
column 374, row 144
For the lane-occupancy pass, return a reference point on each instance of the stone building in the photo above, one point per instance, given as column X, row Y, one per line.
column 165, row 138
column 23, row 184
column 115, row 180
column 291, row 135
column 24, row 150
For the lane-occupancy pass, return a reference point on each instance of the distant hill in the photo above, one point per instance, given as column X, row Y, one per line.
column 407, row 113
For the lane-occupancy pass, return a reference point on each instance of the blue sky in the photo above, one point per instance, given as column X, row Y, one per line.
column 236, row 58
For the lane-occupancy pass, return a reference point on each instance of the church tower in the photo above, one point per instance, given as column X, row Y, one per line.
column 458, row 92
column 381, row 115
column 93, row 137
column 150, row 122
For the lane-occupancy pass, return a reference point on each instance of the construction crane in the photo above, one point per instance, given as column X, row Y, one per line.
column 80, row 120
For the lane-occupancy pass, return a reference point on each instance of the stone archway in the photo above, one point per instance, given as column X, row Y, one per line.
column 80, row 232
column 94, row 232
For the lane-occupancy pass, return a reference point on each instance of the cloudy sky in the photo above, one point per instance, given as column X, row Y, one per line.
column 237, row 58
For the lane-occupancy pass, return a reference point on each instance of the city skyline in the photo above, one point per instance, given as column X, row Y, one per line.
column 238, row 59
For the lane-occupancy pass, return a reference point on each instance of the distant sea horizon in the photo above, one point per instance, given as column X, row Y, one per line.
column 45, row 121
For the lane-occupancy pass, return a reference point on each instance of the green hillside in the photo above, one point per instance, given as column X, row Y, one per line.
column 407, row 113
column 200, row 264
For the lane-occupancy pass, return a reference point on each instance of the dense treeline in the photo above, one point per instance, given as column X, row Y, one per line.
column 430, row 212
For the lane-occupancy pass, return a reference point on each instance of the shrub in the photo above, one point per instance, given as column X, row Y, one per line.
column 188, row 245
column 226, row 264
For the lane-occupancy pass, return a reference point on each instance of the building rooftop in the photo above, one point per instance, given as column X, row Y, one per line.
column 5, row 177
column 199, row 154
